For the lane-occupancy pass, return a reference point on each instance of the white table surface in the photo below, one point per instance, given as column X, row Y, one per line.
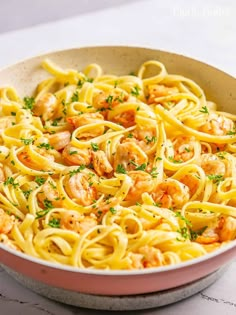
column 202, row 29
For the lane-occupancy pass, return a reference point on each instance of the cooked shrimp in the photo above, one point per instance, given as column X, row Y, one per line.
column 26, row 159
column 126, row 119
column 6, row 222
column 135, row 261
column 73, row 221
column 59, row 140
column 192, row 181
column 143, row 137
column 107, row 100
column 130, row 156
column 100, row 163
column 142, row 182
column 49, row 193
column 159, row 90
column 171, row 193
column 152, row 257
column 209, row 236
column 183, row 148
column 46, row 106
column 217, row 125
column 212, row 165
column 228, row 230
column 86, row 119
column 80, row 189
column 75, row 156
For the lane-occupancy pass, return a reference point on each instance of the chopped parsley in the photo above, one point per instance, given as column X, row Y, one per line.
column 27, row 141
column 10, row 181
column 154, row 172
column 113, row 210
column 47, row 146
column 184, row 233
column 221, row 155
column 187, row 149
column 150, row 139
column 42, row 213
column 90, row 80
column 195, row 234
column 109, row 99
column 215, row 178
column 80, row 83
column 94, row 146
column 54, row 223
column 204, row 110
column 171, row 158
column 75, row 97
column 141, row 167
column 47, row 204
column 73, row 152
column 29, row 102
column 40, row 180
column 78, row 170
column 135, row 91
column 120, row 169
column 130, row 135
column 179, row 215
column 27, row 193
column 231, row 133
column 13, row 113
column 55, row 121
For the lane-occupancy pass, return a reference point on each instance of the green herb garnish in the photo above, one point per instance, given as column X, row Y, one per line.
column 54, row 223
column 120, row 169
column 204, row 110
column 94, row 146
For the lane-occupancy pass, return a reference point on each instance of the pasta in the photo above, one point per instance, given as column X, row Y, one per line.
column 116, row 172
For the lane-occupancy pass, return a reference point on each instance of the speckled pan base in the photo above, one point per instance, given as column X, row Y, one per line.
column 118, row 303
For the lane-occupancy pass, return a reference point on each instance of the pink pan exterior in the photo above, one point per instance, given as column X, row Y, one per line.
column 219, row 87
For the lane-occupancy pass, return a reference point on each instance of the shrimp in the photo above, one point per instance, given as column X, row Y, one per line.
column 212, row 165
column 86, row 119
column 142, row 182
column 183, row 148
column 6, row 222
column 135, row 261
column 228, row 230
column 107, row 100
column 130, row 156
column 171, row 193
column 59, row 140
column 209, row 236
column 26, row 159
column 74, row 221
column 46, row 106
column 159, row 90
column 126, row 119
column 79, row 188
column 100, row 163
column 75, row 156
column 145, row 138
column 152, row 257
column 49, row 193
column 192, row 181
column 217, row 125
